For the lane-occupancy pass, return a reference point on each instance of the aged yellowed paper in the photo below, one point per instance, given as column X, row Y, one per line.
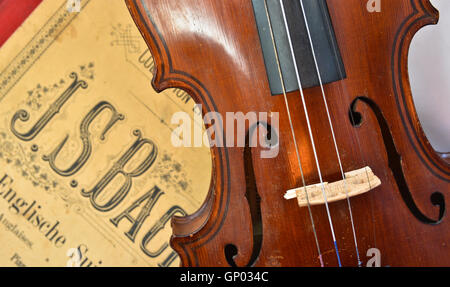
column 88, row 174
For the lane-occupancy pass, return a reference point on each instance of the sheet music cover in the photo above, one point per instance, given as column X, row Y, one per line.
column 88, row 174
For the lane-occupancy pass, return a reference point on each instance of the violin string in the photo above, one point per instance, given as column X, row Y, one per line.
column 280, row 73
column 310, row 132
column 343, row 91
column 332, row 131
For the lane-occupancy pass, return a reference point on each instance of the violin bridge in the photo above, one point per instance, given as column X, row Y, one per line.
column 356, row 182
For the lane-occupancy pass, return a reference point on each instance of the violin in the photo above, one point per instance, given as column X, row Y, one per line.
column 341, row 170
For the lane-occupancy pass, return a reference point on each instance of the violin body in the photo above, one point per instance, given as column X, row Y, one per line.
column 211, row 49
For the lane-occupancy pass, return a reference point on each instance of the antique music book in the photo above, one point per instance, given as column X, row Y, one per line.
column 88, row 174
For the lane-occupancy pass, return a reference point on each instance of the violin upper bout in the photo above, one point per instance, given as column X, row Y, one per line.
column 165, row 75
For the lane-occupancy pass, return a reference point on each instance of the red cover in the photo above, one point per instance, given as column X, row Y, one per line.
column 12, row 14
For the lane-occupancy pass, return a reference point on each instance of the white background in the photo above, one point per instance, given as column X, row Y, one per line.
column 429, row 71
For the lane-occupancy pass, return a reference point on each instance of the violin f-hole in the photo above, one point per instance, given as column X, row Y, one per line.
column 252, row 196
column 394, row 162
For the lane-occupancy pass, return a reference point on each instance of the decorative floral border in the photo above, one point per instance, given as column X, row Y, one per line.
column 35, row 48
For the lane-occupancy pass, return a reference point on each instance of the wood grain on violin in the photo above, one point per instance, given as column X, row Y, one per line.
column 212, row 49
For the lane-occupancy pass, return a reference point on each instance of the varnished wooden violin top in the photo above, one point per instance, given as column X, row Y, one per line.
column 363, row 116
